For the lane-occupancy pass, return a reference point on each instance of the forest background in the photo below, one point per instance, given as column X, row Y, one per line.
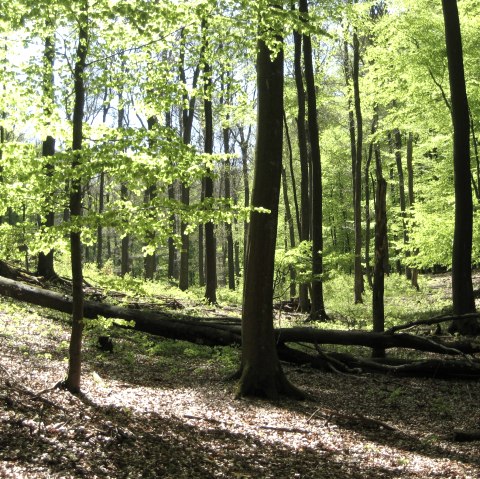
column 127, row 134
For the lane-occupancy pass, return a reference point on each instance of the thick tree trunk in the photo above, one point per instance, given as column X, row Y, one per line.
column 462, row 290
column 261, row 373
column 72, row 382
column 318, row 305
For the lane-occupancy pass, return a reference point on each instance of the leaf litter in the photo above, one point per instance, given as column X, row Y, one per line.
column 144, row 416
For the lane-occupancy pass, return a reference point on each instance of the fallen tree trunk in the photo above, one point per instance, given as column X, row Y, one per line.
column 222, row 332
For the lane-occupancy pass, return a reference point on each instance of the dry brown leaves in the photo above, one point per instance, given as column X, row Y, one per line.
column 149, row 419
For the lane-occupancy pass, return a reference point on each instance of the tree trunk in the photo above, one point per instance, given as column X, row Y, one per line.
column 292, row 176
column 201, row 243
column 358, row 288
column 210, row 244
column 462, row 290
column 45, row 265
column 401, row 188
column 411, row 199
column 246, row 186
column 303, row 150
column 261, row 373
column 318, row 306
column 187, row 124
column 150, row 260
column 291, row 230
column 72, row 383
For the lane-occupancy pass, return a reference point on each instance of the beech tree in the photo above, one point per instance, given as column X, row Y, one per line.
column 462, row 289
column 261, row 373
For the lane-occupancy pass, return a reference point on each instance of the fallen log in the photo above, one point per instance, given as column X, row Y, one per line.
column 346, row 363
column 162, row 324
column 222, row 332
column 464, row 436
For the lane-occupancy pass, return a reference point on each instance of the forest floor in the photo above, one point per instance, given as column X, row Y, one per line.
column 157, row 408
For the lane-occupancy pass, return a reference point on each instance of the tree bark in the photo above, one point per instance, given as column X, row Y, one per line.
column 318, row 305
column 303, row 151
column 45, row 266
column 358, row 288
column 291, row 230
column 462, row 290
column 150, row 260
column 260, row 372
column 72, row 382
column 210, row 244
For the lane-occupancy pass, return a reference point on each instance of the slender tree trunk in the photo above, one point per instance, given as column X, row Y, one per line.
column 368, row 268
column 381, row 246
column 150, row 260
column 72, row 383
column 462, row 290
column 358, row 289
column 401, row 189
column 304, row 173
column 411, row 199
column 475, row 151
column 171, row 197
column 291, row 230
column 318, row 305
column 228, row 225
column 210, row 244
column 45, row 266
column 246, row 186
column 292, row 176
column 187, row 123
column 101, row 191
column 201, row 243
column 261, row 373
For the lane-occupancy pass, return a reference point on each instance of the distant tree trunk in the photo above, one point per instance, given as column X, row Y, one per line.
column 228, row 225
column 292, row 176
column 171, row 197
column 201, row 243
column 380, row 251
column 72, row 383
column 291, row 230
column 150, row 260
column 358, row 289
column 462, row 290
column 187, row 124
column 368, row 268
column 246, row 186
column 261, row 373
column 318, row 306
column 411, row 198
column 351, row 116
column 125, row 246
column 302, row 146
column 210, row 244
column 401, row 188
column 475, row 151
column 45, row 265
column 101, row 190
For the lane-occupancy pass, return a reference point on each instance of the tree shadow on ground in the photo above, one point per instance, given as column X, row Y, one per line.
column 109, row 442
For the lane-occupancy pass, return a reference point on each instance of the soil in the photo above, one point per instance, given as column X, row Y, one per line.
column 163, row 409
